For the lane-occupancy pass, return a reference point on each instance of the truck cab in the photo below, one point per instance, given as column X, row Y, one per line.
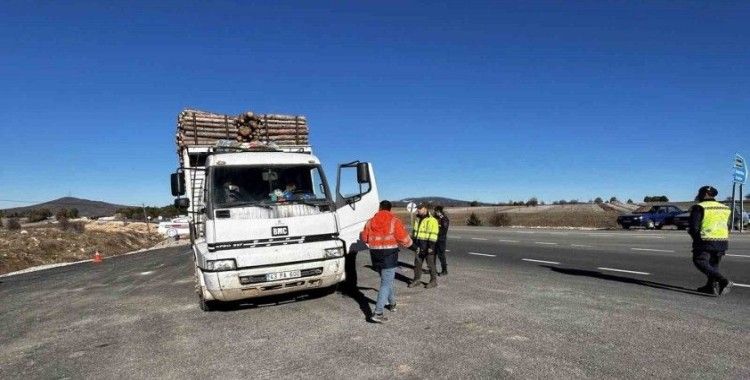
column 269, row 223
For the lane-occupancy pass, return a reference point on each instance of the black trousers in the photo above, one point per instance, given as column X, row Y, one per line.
column 418, row 259
column 708, row 263
column 440, row 251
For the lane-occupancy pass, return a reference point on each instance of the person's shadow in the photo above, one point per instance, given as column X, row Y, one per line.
column 349, row 287
column 399, row 276
column 627, row 280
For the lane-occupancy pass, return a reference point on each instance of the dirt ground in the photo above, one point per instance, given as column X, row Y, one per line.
column 40, row 245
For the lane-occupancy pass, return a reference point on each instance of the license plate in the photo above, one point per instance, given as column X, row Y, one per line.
column 283, row 275
column 279, row 231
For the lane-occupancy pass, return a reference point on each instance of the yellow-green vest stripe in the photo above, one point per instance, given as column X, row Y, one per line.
column 426, row 230
column 715, row 224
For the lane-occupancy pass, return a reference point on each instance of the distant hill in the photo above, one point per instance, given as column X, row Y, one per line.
column 85, row 207
column 447, row 202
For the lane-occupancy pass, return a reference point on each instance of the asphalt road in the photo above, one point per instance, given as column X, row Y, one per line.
column 517, row 304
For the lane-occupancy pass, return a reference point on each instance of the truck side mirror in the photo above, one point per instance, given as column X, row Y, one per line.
column 363, row 172
column 178, row 184
column 182, row 203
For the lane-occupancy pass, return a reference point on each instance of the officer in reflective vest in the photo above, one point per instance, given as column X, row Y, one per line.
column 425, row 235
column 709, row 228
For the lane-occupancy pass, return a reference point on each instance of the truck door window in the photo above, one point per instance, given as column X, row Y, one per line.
column 349, row 187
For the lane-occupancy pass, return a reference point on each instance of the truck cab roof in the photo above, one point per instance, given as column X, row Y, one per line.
column 261, row 158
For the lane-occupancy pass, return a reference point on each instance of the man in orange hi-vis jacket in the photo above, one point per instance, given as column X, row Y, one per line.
column 384, row 234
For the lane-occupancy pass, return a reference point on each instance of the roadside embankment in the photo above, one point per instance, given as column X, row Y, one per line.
column 50, row 244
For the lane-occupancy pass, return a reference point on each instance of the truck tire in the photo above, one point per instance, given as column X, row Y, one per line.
column 206, row 305
column 659, row 226
column 650, row 225
column 625, row 227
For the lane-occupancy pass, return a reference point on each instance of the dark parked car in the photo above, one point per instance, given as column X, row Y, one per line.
column 681, row 221
column 655, row 218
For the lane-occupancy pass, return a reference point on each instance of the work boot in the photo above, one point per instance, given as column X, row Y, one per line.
column 725, row 287
column 414, row 284
column 709, row 289
column 443, row 273
column 431, row 284
column 392, row 307
column 379, row 318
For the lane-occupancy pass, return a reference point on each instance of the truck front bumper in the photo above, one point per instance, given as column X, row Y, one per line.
column 250, row 283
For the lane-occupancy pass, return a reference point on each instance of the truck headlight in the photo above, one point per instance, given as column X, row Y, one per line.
column 334, row 252
column 221, row 265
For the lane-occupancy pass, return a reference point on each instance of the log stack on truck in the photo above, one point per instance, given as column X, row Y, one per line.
column 195, row 128
column 263, row 219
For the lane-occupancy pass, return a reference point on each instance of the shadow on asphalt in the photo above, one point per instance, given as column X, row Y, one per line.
column 627, row 280
column 399, row 276
column 350, row 289
column 273, row 300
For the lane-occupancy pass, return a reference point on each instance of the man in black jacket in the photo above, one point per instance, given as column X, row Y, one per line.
column 442, row 241
column 709, row 228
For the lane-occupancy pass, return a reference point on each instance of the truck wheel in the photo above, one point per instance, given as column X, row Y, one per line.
column 625, row 227
column 681, row 228
column 206, row 305
column 658, row 227
column 650, row 225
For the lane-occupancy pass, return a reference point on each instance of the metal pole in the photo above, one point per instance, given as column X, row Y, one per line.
column 145, row 218
column 742, row 209
column 731, row 208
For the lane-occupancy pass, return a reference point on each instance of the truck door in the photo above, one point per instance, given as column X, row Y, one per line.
column 357, row 200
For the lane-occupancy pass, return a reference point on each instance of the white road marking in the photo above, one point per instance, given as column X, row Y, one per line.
column 447, row 250
column 623, row 271
column 479, row 239
column 481, row 254
column 582, row 245
column 456, row 237
column 542, row 261
column 738, row 255
column 146, row 273
column 626, row 235
column 742, row 285
column 523, row 232
column 508, row 241
column 651, row 250
column 544, row 243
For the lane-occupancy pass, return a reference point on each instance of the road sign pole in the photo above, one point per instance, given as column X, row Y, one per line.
column 742, row 210
column 731, row 207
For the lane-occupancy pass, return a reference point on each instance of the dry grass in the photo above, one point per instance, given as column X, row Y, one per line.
column 581, row 215
column 49, row 244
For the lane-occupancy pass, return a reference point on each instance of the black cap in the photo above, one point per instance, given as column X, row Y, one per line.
column 707, row 190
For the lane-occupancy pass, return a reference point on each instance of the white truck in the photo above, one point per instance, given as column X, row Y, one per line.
column 263, row 219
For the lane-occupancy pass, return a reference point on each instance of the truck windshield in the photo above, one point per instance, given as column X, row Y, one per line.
column 265, row 186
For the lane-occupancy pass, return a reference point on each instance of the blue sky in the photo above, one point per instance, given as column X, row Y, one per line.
column 487, row 100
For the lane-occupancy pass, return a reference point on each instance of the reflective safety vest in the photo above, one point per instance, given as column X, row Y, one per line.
column 426, row 229
column 378, row 238
column 715, row 225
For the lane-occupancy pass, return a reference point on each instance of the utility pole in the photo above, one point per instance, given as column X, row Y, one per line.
column 145, row 218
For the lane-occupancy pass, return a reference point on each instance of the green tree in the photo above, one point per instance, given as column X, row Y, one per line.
column 38, row 214
column 533, row 202
column 630, row 201
column 613, row 200
column 473, row 220
column 474, row 204
column 598, row 200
